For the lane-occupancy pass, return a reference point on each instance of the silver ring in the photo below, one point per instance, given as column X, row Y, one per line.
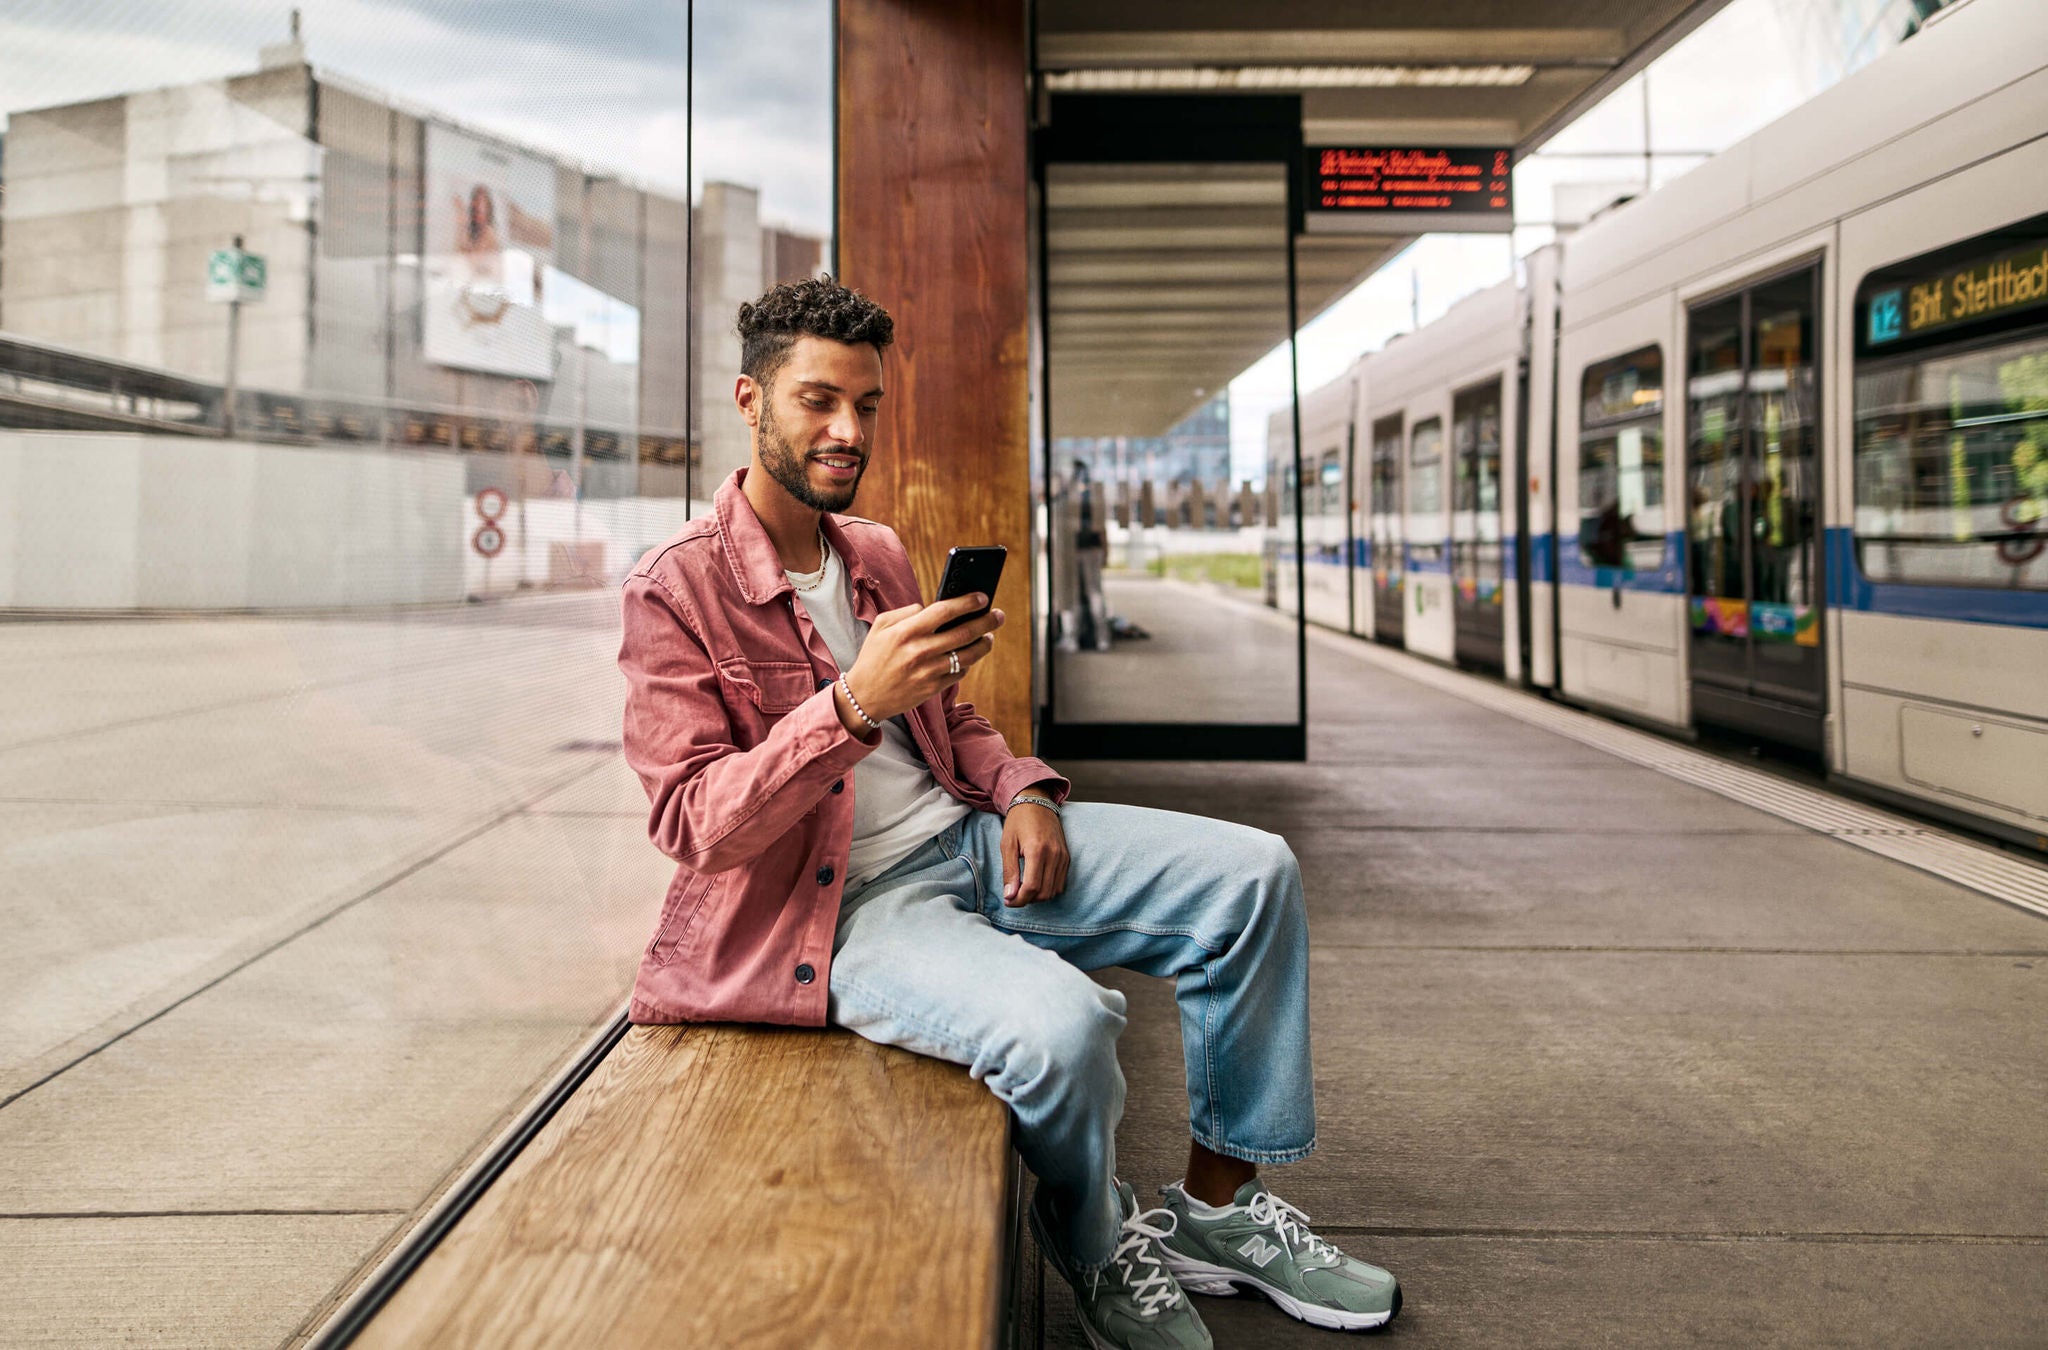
column 953, row 663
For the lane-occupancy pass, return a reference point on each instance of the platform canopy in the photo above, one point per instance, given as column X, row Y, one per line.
column 1151, row 311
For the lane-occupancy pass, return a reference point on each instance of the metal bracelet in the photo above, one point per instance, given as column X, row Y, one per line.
column 1036, row 800
column 858, row 711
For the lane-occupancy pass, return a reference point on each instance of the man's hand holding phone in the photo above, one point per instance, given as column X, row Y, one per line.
column 904, row 660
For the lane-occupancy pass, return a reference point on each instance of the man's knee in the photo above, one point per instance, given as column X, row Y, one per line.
column 1063, row 1038
column 1266, row 862
column 1270, row 899
column 1277, row 863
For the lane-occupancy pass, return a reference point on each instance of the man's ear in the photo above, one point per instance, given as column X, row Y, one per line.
column 747, row 395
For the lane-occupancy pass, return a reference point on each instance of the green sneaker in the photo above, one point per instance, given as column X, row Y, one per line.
column 1263, row 1243
column 1133, row 1302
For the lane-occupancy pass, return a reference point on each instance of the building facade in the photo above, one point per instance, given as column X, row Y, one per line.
column 426, row 277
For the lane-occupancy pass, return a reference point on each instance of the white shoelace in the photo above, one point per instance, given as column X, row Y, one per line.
column 1290, row 1223
column 1149, row 1283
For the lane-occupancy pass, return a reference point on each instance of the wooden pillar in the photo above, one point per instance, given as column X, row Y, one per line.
column 933, row 225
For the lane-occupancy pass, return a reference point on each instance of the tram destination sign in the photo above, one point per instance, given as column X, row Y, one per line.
column 1407, row 190
column 1967, row 293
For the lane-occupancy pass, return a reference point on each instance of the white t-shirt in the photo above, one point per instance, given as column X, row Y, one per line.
column 897, row 804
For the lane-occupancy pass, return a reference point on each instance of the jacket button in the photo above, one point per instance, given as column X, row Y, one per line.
column 839, row 786
column 825, row 682
column 804, row 973
column 825, row 875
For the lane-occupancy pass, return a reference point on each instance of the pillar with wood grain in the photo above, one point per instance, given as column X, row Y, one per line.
column 933, row 104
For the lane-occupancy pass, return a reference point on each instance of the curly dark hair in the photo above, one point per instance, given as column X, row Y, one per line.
column 814, row 307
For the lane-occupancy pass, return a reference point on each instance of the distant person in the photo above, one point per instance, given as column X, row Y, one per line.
column 859, row 847
column 1081, row 522
column 1606, row 536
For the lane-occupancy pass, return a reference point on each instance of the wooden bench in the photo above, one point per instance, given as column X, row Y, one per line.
column 722, row 1185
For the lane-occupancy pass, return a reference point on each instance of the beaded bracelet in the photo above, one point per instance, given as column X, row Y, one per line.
column 858, row 711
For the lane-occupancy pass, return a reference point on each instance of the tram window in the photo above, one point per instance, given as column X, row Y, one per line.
column 1621, row 461
column 1475, row 432
column 1386, row 466
column 1426, row 468
column 1952, row 467
column 1332, row 479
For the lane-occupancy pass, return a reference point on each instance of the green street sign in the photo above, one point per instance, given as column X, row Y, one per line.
column 235, row 275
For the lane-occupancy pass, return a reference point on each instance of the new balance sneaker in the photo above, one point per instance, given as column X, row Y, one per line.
column 1133, row 1303
column 1262, row 1242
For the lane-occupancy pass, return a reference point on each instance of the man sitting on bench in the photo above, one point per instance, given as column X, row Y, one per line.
column 859, row 847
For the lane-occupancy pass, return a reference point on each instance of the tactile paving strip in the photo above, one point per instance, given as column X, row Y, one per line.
column 1918, row 844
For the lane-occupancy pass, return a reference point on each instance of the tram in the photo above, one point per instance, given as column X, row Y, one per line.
column 1764, row 451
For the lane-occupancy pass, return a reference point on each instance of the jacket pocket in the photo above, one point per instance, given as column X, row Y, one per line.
column 690, row 892
column 771, row 686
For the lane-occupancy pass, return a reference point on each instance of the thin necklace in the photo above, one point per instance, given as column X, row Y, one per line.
column 810, row 581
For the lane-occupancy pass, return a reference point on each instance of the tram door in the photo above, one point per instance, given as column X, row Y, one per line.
column 1753, row 538
column 1476, row 572
column 1387, row 561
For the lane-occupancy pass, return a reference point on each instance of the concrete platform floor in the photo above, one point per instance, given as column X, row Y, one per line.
column 1603, row 1059
column 299, row 911
column 1209, row 659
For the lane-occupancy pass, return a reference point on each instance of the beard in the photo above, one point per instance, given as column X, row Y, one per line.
column 791, row 467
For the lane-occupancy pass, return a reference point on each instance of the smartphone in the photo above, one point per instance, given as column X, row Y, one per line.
column 969, row 570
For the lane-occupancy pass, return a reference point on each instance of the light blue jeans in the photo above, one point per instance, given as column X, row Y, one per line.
column 928, row 957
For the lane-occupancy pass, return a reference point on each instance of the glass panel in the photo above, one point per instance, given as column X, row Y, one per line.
column 361, row 350
column 1426, row 492
column 761, row 187
column 1952, row 468
column 1621, row 462
column 1784, row 478
column 1715, row 489
column 1164, row 282
column 1388, row 564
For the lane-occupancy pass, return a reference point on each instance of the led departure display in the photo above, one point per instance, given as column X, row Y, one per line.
column 1957, row 295
column 1409, row 188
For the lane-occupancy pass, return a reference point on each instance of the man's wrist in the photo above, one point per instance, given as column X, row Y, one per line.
column 852, row 716
column 1032, row 797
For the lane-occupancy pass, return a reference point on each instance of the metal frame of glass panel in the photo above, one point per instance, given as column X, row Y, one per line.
column 1176, row 129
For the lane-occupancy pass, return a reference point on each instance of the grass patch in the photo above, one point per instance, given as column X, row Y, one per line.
column 1241, row 570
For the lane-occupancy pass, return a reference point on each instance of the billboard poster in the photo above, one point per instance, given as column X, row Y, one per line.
column 490, row 235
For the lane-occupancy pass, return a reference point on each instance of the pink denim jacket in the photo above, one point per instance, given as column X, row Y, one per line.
column 731, row 725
